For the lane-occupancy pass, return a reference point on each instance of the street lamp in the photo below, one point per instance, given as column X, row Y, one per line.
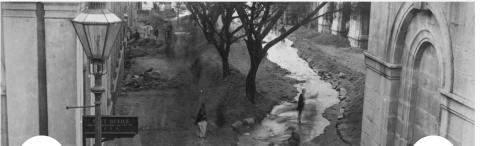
column 97, row 29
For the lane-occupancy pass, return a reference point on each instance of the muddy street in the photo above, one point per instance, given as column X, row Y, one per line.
column 165, row 88
column 320, row 95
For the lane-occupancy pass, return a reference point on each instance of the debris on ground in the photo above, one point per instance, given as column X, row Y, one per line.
column 341, row 75
column 243, row 126
column 340, row 115
column 342, row 93
column 148, row 80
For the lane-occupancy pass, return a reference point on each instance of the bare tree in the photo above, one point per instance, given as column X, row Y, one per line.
column 258, row 19
column 215, row 20
column 156, row 21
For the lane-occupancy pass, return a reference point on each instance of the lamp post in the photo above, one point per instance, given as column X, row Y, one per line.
column 97, row 29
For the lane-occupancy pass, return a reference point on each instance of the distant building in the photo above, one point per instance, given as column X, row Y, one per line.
column 420, row 73
column 346, row 19
column 147, row 6
column 68, row 81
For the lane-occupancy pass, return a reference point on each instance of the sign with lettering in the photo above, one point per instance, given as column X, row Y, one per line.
column 112, row 126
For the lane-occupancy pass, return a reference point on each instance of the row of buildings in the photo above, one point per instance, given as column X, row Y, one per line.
column 345, row 19
column 420, row 68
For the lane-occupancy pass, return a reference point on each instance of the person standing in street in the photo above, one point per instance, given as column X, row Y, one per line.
column 201, row 121
column 300, row 105
column 168, row 39
column 168, row 28
column 155, row 33
column 136, row 35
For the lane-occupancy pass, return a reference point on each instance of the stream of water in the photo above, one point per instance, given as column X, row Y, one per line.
column 319, row 96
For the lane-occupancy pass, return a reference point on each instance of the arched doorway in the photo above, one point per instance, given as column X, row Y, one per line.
column 425, row 100
column 416, row 67
column 422, row 49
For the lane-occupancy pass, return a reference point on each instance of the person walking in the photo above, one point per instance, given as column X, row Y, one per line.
column 201, row 121
column 300, row 105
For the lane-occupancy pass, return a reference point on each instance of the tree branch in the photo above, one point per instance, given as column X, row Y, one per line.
column 273, row 21
column 238, row 38
column 295, row 27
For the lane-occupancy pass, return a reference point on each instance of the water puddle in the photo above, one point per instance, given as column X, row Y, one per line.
column 319, row 96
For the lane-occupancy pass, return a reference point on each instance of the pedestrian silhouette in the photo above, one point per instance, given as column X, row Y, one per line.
column 169, row 39
column 201, row 121
column 155, row 33
column 300, row 105
column 136, row 35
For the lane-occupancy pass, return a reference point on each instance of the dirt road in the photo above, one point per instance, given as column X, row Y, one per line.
column 166, row 105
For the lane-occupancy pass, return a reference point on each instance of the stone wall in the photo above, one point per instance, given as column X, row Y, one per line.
column 325, row 22
column 420, row 73
column 64, row 69
column 20, row 38
column 358, row 25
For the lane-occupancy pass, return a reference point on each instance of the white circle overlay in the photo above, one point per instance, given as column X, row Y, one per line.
column 41, row 140
column 433, row 140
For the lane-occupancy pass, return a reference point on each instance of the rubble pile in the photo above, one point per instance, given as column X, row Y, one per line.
column 342, row 91
column 243, row 126
column 147, row 80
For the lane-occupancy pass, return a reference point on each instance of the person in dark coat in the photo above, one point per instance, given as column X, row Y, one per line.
column 300, row 105
column 168, row 39
column 201, row 121
column 155, row 33
column 136, row 35
column 168, row 32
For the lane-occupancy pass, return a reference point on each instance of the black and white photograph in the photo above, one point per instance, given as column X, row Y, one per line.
column 237, row 73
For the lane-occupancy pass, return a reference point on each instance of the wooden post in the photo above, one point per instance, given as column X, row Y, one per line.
column 42, row 71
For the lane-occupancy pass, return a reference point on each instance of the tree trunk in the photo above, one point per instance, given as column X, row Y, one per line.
column 223, row 50
column 250, row 83
column 225, row 65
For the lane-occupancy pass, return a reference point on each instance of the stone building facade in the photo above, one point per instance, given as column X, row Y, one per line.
column 42, row 57
column 351, row 22
column 420, row 73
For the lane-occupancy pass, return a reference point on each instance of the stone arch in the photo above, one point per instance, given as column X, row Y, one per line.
column 424, row 110
column 398, row 32
column 396, row 45
column 405, row 47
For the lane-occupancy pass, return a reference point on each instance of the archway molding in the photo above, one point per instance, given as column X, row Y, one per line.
column 403, row 48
